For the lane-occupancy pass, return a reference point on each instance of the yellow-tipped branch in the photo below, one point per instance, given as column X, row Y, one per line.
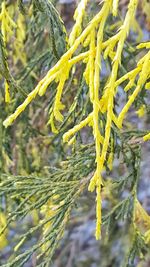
column 77, row 128
column 144, row 74
column 78, row 16
column 146, row 137
column 115, row 7
column 7, row 93
column 97, row 177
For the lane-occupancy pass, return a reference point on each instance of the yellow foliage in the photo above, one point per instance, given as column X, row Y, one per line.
column 142, row 219
column 141, row 111
column 7, row 94
column 7, row 24
column 146, row 137
column 92, row 38
column 3, row 238
column 78, row 16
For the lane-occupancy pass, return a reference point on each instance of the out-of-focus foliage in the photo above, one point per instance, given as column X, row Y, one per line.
column 86, row 72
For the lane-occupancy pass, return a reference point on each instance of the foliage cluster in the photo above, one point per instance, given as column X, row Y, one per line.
column 81, row 78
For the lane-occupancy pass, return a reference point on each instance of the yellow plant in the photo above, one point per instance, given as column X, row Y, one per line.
column 48, row 210
column 7, row 26
column 143, row 219
column 141, row 111
column 102, row 101
column 3, row 237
